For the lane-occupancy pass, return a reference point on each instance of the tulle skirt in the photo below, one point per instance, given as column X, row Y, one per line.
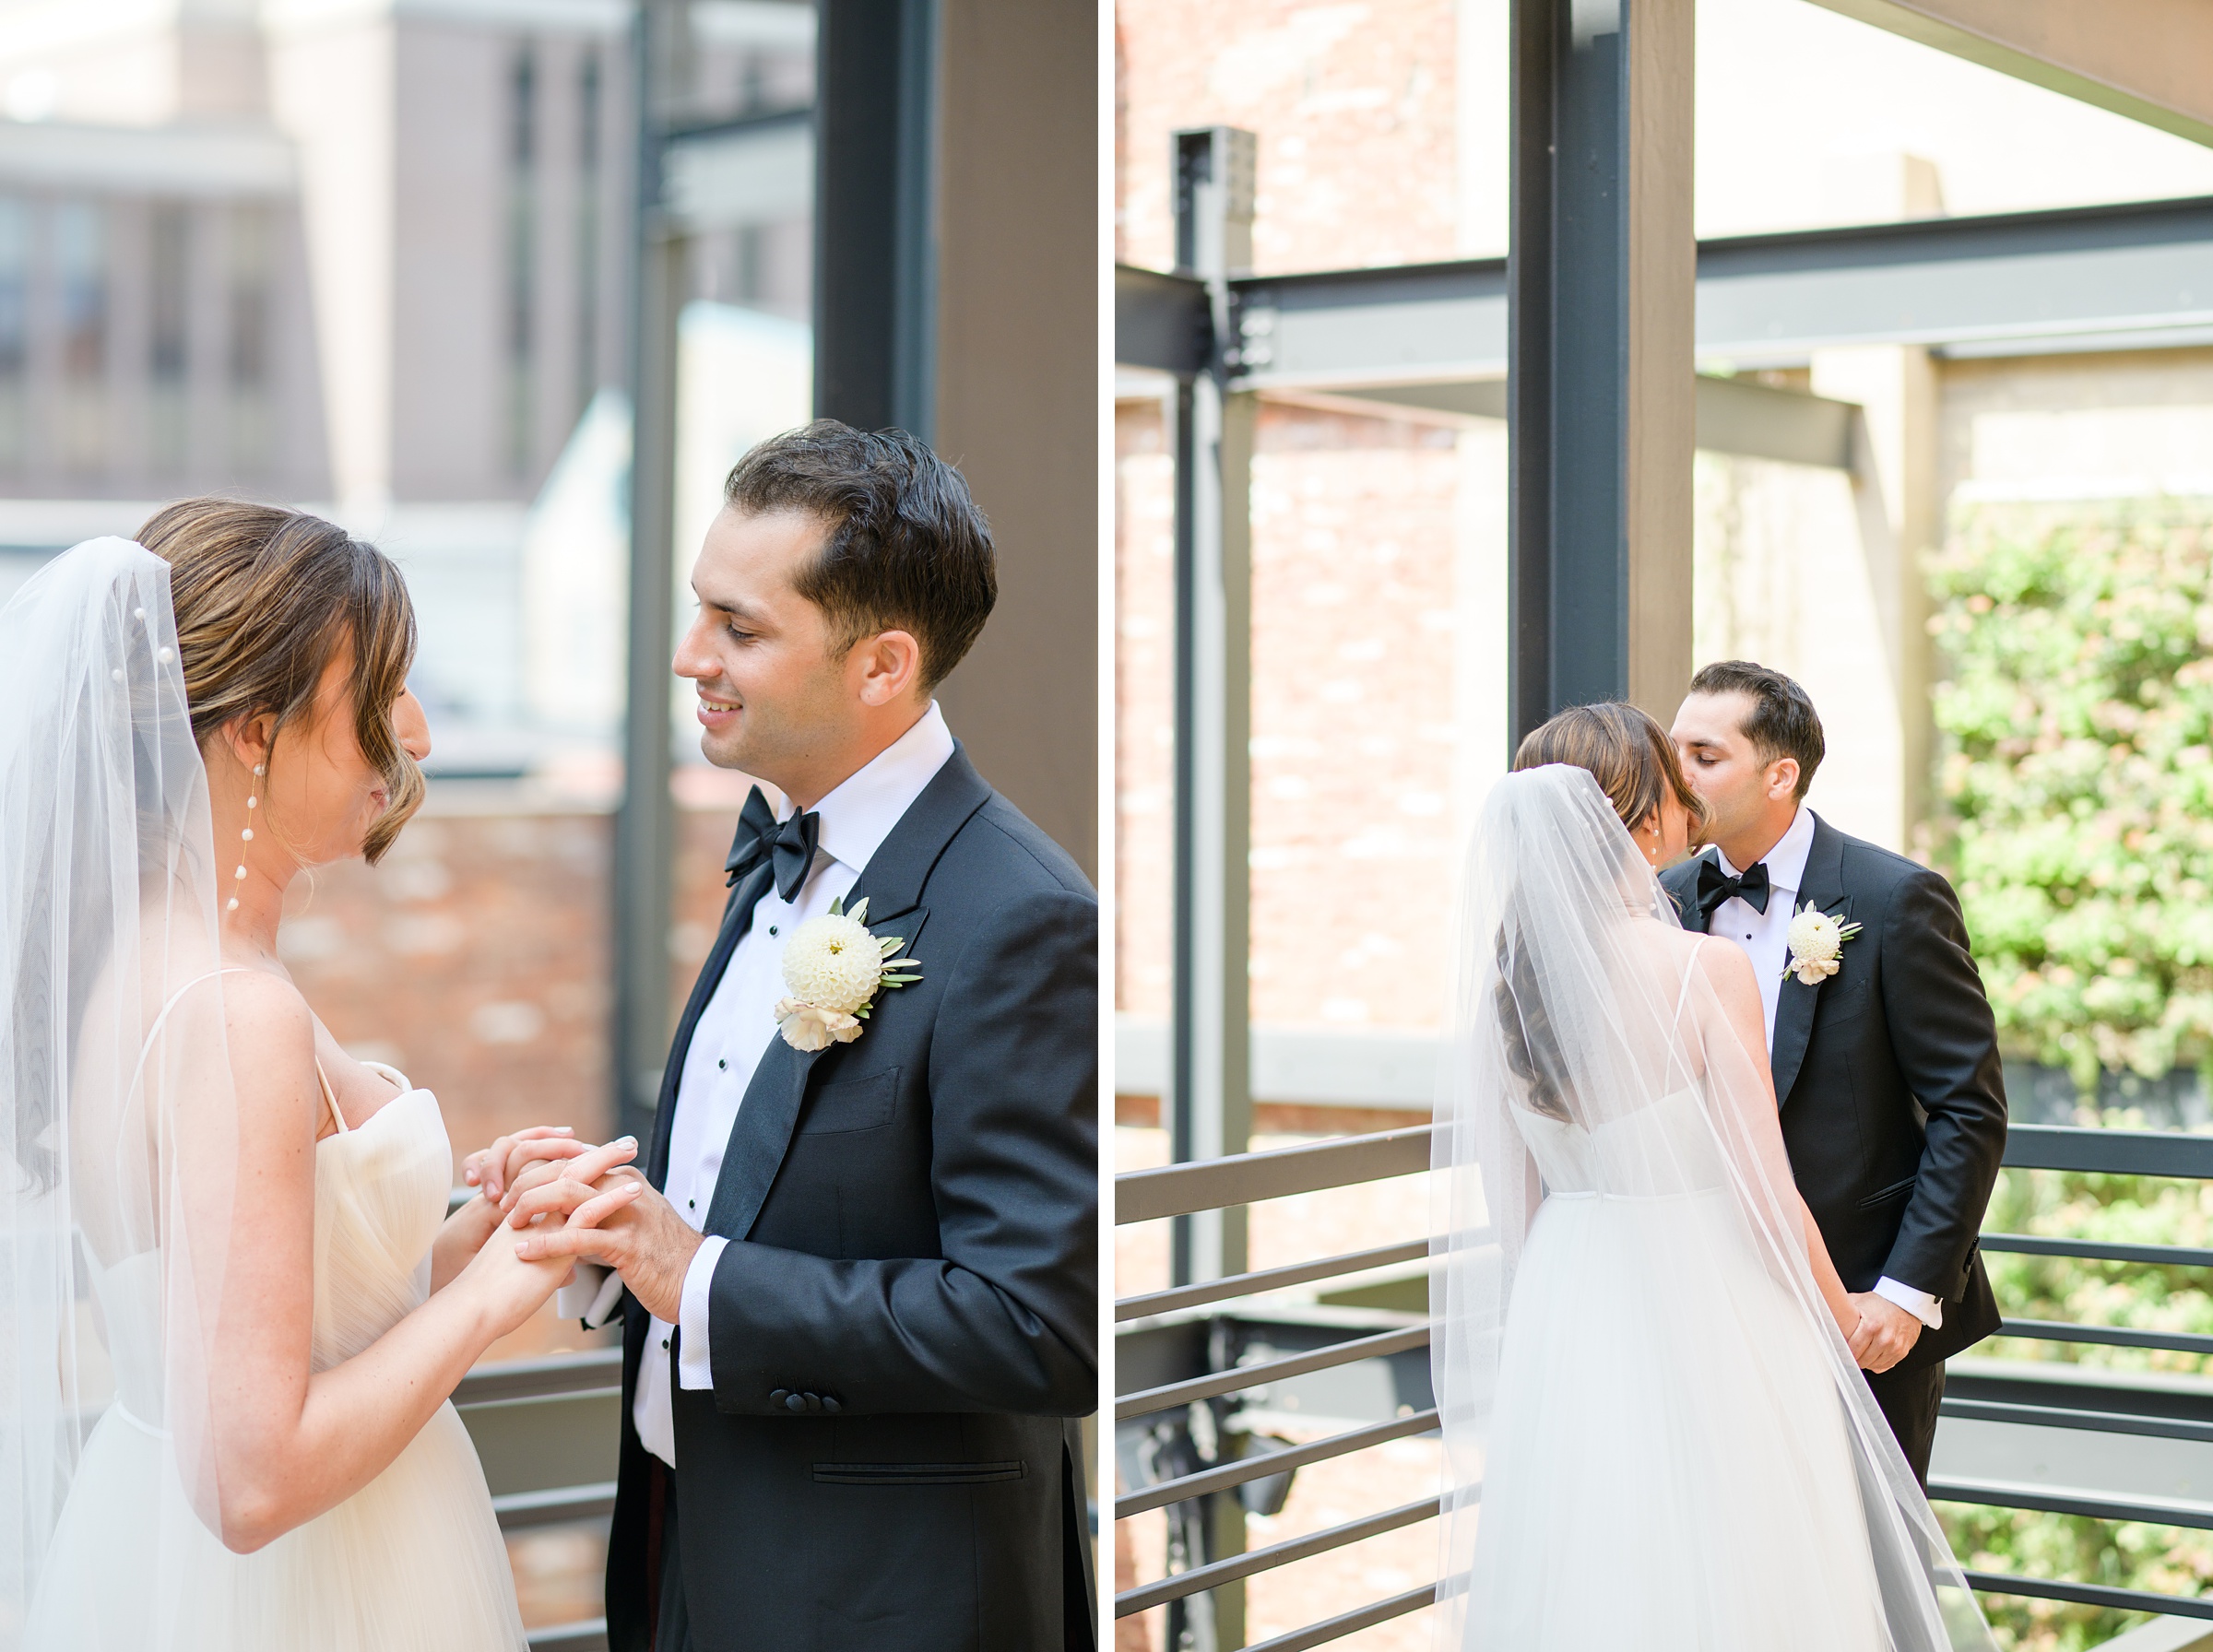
column 411, row 1562
column 1668, row 1468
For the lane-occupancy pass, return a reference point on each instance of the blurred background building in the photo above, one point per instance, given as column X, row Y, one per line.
column 1379, row 703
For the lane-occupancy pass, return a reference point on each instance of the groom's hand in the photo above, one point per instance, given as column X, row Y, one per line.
column 642, row 1238
column 1887, row 1332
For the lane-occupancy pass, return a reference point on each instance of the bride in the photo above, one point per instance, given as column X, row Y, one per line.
column 1655, row 1432
column 236, row 1304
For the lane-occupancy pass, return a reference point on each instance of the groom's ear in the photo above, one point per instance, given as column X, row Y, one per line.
column 885, row 666
column 1782, row 777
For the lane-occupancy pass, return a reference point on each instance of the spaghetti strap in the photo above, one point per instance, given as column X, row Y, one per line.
column 154, row 1031
column 1683, row 992
column 330, row 1096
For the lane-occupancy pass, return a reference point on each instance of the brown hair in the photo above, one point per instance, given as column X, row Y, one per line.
column 1782, row 722
column 907, row 546
column 264, row 598
column 1634, row 760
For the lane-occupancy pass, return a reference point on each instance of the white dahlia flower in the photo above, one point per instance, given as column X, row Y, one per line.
column 1816, row 939
column 833, row 962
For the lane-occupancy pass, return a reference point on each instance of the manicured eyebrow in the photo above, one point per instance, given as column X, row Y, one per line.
column 736, row 607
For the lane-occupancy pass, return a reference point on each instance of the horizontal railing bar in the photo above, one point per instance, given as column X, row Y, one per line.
column 567, row 1375
column 555, row 1508
column 2048, row 1416
column 2110, row 1336
column 1185, row 1487
column 2036, row 1245
column 1987, row 1493
column 589, row 1636
column 1147, row 1400
column 1242, row 1178
column 2089, row 1594
column 1345, row 1623
column 1220, row 1572
column 1268, row 1279
column 2114, row 1153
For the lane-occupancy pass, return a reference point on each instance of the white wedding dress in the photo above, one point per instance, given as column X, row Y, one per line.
column 1668, row 1463
column 413, row 1562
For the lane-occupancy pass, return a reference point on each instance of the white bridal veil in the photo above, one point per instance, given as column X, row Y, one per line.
column 117, row 1132
column 1580, row 1024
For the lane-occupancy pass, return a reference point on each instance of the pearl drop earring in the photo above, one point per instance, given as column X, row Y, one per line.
column 253, row 802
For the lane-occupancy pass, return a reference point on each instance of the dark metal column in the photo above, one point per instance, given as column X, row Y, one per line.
column 1210, row 1101
column 645, row 822
column 1600, row 279
column 875, row 340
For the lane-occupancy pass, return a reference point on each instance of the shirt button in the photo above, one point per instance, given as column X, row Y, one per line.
column 771, row 928
column 664, row 1341
column 723, row 1065
column 690, row 1204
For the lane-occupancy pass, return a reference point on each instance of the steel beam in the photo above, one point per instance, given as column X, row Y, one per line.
column 1600, row 294
column 1210, row 1099
column 2135, row 275
column 875, row 339
column 1209, row 1093
column 642, row 881
column 2145, row 59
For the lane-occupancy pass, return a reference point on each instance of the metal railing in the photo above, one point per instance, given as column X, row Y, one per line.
column 1178, row 1352
column 547, row 1432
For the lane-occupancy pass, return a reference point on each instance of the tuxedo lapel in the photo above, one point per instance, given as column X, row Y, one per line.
column 736, row 920
column 1682, row 886
column 1823, row 886
column 892, row 884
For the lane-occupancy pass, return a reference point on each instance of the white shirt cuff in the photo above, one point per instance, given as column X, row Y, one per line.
column 1920, row 1304
column 591, row 1297
column 694, row 1364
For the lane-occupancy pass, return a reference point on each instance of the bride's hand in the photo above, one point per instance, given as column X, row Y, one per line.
column 506, row 1288
column 586, row 1164
column 495, row 1168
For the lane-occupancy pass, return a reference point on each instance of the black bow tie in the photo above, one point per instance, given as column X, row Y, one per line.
column 1716, row 885
column 789, row 847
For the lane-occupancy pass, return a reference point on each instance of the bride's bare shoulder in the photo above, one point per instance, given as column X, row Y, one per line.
column 272, row 1039
column 1726, row 967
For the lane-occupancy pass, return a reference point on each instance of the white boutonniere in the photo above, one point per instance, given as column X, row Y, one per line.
column 1815, row 940
column 834, row 967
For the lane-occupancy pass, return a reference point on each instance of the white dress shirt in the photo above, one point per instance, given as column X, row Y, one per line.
column 1765, row 936
column 733, row 1033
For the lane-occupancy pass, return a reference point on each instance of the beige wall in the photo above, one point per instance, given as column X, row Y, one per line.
column 1018, row 389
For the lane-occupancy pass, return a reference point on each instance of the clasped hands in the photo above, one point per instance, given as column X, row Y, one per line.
column 560, row 1197
column 1886, row 1333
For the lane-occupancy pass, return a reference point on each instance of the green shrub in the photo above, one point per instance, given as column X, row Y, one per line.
column 2076, row 777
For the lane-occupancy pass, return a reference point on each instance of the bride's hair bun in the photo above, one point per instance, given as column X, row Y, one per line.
column 264, row 598
column 1629, row 755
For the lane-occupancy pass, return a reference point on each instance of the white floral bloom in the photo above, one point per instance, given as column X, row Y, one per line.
column 1814, row 937
column 833, row 962
column 1815, row 941
column 810, row 1027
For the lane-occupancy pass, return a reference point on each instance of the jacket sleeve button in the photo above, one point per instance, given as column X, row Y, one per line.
column 795, row 1402
column 775, row 1396
column 829, row 1403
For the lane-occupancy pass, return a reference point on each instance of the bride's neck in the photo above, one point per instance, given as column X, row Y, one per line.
column 249, row 928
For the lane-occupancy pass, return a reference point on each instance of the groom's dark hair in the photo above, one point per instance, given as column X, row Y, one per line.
column 906, row 547
column 1782, row 722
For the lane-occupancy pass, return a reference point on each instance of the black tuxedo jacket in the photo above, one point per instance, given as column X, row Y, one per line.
column 1893, row 1101
column 904, row 1316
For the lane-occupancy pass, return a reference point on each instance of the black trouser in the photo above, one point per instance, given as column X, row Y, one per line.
column 672, row 1619
column 1909, row 1399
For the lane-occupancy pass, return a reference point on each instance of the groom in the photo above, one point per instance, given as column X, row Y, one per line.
column 1887, row 1071
column 858, row 1303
